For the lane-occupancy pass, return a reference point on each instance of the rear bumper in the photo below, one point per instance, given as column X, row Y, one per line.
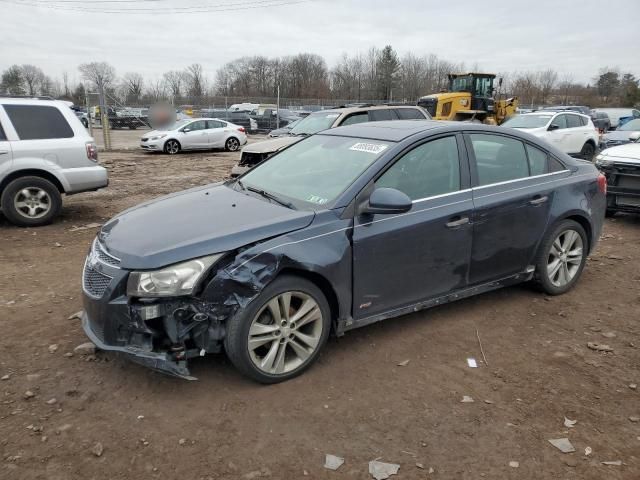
column 85, row 179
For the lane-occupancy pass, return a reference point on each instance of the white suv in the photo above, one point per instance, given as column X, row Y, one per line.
column 45, row 151
column 571, row 132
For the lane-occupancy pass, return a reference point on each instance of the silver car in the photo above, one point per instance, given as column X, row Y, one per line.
column 44, row 152
column 195, row 134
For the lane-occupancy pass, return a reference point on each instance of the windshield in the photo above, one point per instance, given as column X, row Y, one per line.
column 528, row 121
column 462, row 84
column 630, row 126
column 179, row 124
column 315, row 123
column 315, row 170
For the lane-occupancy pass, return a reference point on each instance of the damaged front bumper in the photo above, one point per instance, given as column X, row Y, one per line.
column 623, row 186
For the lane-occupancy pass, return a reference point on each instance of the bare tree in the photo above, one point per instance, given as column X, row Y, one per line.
column 12, row 81
column 157, row 89
column 101, row 74
column 547, row 80
column 32, row 77
column 133, row 84
column 195, row 80
column 174, row 80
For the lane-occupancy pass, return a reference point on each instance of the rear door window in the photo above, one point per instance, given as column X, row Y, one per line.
column 573, row 121
column 409, row 114
column 380, row 115
column 215, row 124
column 498, row 158
column 38, row 122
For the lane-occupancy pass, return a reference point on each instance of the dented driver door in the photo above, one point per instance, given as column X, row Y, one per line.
column 402, row 259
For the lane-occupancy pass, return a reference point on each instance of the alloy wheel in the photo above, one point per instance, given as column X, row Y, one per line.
column 285, row 333
column 565, row 258
column 232, row 144
column 172, row 147
column 32, row 202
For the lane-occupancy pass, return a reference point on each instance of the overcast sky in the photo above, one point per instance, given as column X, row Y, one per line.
column 574, row 37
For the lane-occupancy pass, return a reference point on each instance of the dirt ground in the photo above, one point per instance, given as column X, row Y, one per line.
column 356, row 402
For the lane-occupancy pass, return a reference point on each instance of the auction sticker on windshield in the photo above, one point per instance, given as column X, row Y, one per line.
column 374, row 148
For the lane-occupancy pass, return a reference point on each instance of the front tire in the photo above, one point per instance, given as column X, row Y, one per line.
column 31, row 202
column 280, row 334
column 562, row 258
column 232, row 144
column 172, row 147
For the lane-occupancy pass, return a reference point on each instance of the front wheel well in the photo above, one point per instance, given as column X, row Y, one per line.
column 31, row 172
column 323, row 284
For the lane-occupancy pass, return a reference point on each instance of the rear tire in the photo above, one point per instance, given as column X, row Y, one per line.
column 562, row 257
column 232, row 144
column 31, row 202
column 588, row 151
column 256, row 334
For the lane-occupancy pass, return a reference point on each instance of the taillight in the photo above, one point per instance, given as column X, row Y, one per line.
column 241, row 129
column 92, row 152
column 602, row 184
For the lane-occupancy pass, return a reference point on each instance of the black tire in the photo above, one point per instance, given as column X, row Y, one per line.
column 232, row 144
column 237, row 328
column 542, row 259
column 170, row 147
column 20, row 218
column 588, row 151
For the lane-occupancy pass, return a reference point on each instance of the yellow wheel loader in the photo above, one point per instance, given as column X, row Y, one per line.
column 472, row 98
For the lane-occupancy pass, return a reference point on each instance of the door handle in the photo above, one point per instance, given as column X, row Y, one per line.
column 457, row 222
column 538, row 200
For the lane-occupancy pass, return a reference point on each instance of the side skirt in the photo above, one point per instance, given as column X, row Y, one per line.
column 345, row 325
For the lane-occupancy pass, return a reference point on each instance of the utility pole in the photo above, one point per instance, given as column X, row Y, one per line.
column 278, row 109
column 86, row 104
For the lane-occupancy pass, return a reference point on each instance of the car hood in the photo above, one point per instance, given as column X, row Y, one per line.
column 532, row 131
column 197, row 222
column 628, row 153
column 153, row 133
column 272, row 145
column 618, row 135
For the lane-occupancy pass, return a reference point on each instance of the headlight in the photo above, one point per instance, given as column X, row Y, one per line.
column 175, row 280
column 602, row 160
column 158, row 137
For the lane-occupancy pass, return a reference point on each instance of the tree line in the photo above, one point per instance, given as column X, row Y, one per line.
column 376, row 75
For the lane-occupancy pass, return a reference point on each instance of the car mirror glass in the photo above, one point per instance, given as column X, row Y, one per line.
column 186, row 130
column 634, row 136
column 553, row 126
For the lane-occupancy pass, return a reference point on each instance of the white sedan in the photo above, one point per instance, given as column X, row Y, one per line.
column 571, row 132
column 195, row 134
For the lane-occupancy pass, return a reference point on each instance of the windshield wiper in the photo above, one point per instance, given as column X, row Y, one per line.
column 271, row 196
column 240, row 184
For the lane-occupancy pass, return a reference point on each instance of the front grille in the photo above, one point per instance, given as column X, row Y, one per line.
column 94, row 283
column 103, row 256
column 626, row 181
column 249, row 159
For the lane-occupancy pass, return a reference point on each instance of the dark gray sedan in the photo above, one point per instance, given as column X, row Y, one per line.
column 342, row 229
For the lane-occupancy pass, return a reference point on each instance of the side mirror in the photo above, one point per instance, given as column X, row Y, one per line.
column 634, row 136
column 186, row 130
column 553, row 126
column 387, row 200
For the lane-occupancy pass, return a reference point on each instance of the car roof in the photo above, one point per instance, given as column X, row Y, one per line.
column 551, row 112
column 389, row 130
column 8, row 100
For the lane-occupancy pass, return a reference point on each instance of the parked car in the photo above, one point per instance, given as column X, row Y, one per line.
column 195, row 134
column 236, row 117
column 616, row 115
column 243, row 107
column 283, row 131
column 573, row 133
column 44, row 152
column 621, row 166
column 600, row 120
column 620, row 136
column 318, row 121
column 269, row 119
column 345, row 228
